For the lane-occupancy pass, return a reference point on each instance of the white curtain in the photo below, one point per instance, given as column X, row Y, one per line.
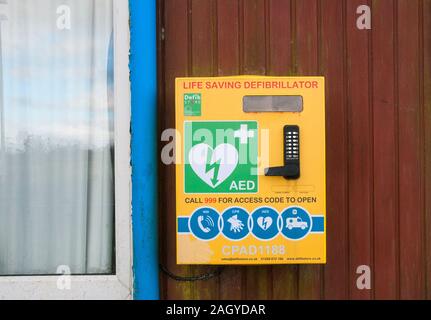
column 57, row 145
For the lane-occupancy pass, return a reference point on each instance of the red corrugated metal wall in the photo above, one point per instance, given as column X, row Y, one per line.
column 378, row 102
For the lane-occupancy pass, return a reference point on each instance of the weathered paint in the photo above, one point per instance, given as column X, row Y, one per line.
column 143, row 75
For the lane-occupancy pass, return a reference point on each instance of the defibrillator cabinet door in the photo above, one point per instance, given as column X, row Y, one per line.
column 250, row 170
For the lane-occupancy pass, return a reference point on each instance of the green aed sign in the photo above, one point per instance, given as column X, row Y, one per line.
column 220, row 157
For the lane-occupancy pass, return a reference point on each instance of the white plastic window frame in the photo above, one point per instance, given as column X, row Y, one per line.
column 120, row 284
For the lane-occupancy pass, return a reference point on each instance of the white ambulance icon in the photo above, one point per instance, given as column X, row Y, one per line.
column 296, row 222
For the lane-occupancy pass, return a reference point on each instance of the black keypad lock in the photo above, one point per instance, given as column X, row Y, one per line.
column 291, row 168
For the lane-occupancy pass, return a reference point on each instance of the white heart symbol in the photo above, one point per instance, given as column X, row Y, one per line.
column 264, row 223
column 213, row 166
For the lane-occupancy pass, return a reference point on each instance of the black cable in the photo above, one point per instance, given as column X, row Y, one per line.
column 202, row 277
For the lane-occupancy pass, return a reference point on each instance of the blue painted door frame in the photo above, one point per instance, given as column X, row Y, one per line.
column 144, row 154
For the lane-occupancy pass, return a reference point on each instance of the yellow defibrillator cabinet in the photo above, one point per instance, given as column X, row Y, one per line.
column 250, row 170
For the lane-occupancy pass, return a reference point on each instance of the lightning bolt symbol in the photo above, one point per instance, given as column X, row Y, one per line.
column 264, row 224
column 210, row 166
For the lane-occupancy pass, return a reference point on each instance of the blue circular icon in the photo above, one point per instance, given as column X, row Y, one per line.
column 265, row 223
column 296, row 223
column 235, row 223
column 204, row 223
